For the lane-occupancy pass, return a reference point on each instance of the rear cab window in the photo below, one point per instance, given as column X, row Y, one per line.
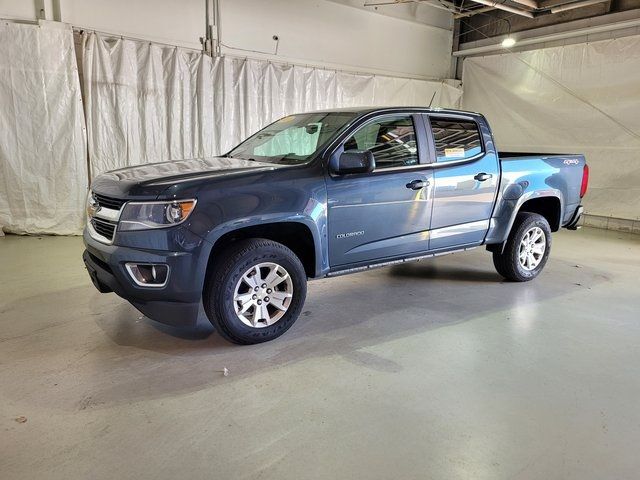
column 455, row 139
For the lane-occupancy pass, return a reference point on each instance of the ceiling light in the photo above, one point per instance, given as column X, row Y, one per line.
column 508, row 42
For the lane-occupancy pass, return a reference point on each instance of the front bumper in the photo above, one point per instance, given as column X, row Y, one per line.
column 177, row 303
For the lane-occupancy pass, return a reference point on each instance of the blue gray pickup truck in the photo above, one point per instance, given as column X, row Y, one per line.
column 317, row 195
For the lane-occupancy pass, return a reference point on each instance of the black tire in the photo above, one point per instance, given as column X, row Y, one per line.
column 508, row 263
column 231, row 264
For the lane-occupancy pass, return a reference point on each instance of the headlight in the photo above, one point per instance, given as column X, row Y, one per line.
column 145, row 215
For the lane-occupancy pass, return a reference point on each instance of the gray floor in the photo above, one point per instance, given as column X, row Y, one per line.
column 432, row 370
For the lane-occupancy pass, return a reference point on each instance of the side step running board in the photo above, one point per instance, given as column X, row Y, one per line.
column 395, row 262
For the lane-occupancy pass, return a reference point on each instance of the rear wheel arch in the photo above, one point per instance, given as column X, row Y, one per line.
column 548, row 207
column 526, row 250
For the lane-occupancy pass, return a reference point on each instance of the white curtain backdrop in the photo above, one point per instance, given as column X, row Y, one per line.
column 577, row 99
column 144, row 103
column 150, row 103
column 43, row 169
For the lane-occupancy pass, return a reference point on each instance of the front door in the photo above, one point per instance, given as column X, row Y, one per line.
column 385, row 213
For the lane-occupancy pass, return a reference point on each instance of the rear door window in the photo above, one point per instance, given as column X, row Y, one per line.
column 455, row 139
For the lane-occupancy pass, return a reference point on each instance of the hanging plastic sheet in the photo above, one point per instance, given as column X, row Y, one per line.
column 577, row 99
column 43, row 170
column 150, row 103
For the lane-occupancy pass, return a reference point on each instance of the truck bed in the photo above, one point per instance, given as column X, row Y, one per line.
column 559, row 174
column 534, row 154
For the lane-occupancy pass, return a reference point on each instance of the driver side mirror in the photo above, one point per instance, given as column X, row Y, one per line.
column 353, row 161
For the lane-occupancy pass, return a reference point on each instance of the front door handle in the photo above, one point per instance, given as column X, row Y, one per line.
column 481, row 177
column 417, row 184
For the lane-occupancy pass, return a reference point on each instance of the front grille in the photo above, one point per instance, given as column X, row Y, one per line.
column 108, row 202
column 104, row 227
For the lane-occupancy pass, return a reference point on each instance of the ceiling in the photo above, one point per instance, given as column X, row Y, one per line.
column 473, row 24
column 481, row 19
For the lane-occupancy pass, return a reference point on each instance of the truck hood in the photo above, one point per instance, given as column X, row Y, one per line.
column 151, row 179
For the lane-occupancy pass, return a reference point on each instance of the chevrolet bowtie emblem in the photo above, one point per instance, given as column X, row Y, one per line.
column 93, row 206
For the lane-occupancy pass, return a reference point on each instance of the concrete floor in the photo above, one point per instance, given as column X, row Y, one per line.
column 432, row 370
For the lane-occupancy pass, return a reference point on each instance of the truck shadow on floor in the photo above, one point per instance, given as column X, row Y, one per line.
column 343, row 317
column 431, row 270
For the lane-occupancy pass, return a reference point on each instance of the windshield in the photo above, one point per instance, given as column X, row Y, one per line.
column 292, row 140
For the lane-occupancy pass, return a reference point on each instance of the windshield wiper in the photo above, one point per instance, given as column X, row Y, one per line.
column 286, row 157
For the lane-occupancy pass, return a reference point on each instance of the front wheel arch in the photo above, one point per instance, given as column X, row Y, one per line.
column 221, row 294
column 296, row 236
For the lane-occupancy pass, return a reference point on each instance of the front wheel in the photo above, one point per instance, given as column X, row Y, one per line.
column 255, row 291
column 527, row 249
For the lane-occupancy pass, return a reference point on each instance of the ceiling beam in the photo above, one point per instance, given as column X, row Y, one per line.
column 475, row 11
column 506, row 8
column 528, row 3
column 571, row 6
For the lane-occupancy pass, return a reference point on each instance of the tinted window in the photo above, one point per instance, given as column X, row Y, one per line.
column 392, row 141
column 455, row 139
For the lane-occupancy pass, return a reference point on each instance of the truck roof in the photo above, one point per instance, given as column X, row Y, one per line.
column 393, row 108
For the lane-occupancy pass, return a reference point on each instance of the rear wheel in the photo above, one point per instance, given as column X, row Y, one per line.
column 527, row 249
column 255, row 291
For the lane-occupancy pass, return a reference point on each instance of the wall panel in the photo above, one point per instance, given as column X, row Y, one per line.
column 43, row 169
column 150, row 103
column 578, row 99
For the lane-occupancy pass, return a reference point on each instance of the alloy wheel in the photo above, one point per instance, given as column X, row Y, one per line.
column 263, row 295
column 532, row 248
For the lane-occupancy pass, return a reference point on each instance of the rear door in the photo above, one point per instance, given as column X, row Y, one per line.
column 385, row 213
column 466, row 177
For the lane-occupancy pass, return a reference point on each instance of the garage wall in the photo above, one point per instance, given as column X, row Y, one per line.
column 18, row 9
column 43, row 169
column 577, row 99
column 326, row 32
column 317, row 32
column 148, row 102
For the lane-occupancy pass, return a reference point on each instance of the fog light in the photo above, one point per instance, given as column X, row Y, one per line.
column 148, row 274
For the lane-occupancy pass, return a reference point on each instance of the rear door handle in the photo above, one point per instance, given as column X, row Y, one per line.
column 481, row 177
column 417, row 184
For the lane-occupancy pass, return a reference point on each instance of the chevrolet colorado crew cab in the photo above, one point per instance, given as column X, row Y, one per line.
column 317, row 195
